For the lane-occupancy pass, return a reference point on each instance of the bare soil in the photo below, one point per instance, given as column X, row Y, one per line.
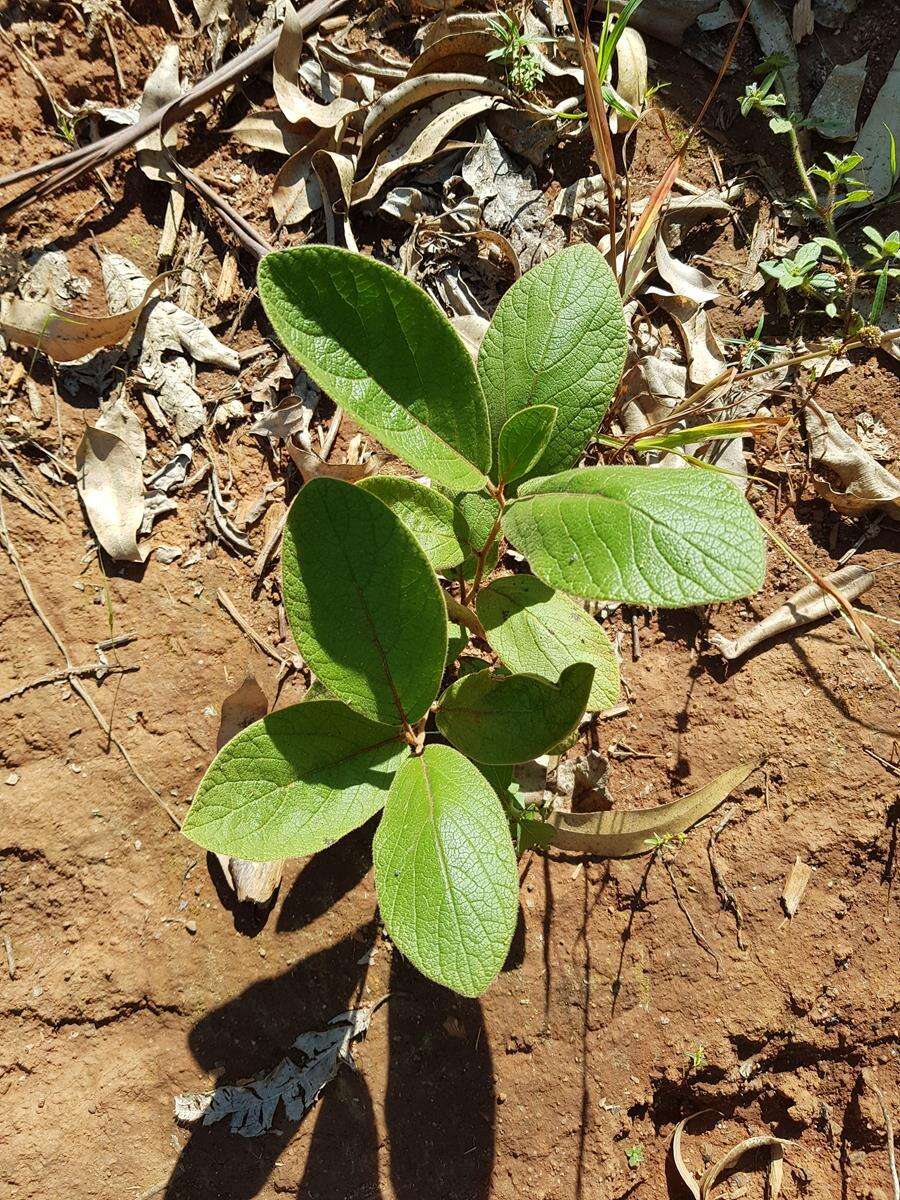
column 135, row 978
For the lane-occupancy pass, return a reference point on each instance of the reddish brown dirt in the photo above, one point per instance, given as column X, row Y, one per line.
column 581, row 1048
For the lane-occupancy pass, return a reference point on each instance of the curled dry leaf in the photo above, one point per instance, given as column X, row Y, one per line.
column 123, row 421
column 795, row 885
column 631, row 75
column 684, row 280
column 412, row 92
column 866, row 483
column 292, row 101
column 167, row 343
column 626, row 833
column 111, row 488
column 269, row 130
column 703, row 1189
column 420, row 138
column 335, row 173
column 162, row 87
column 65, row 336
column 464, row 52
column 296, row 192
column 311, row 466
column 809, row 604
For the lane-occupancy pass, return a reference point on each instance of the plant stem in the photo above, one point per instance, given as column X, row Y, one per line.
column 824, row 212
column 486, row 549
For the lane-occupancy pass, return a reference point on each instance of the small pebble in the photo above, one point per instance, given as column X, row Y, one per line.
column 137, row 843
column 12, row 779
column 191, row 926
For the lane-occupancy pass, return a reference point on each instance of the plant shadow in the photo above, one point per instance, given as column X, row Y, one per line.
column 439, row 1104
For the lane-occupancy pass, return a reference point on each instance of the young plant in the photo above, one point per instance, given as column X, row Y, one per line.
column 523, row 70
column 403, row 720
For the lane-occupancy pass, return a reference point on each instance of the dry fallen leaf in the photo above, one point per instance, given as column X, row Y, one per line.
column 621, row 834
column 311, row 466
column 292, row 101
column 795, row 885
column 65, row 336
column 833, row 112
column 866, row 483
column 874, row 141
column 112, row 490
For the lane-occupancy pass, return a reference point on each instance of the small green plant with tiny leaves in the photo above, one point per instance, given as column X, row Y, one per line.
column 824, row 270
column 385, row 582
column 513, row 49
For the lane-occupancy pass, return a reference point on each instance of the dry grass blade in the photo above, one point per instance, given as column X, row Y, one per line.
column 703, row 1189
column 597, row 121
column 413, row 92
column 626, row 833
column 292, row 101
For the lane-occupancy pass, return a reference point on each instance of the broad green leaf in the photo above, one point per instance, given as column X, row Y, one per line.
column 294, row 782
column 501, row 719
column 427, row 515
column 384, row 351
column 534, row 629
column 363, row 602
column 523, row 439
column 557, row 337
column 445, row 871
column 659, row 536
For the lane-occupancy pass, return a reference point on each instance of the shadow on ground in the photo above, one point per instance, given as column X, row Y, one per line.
column 439, row 1107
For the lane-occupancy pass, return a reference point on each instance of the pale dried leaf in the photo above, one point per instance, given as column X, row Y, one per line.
column 119, row 418
column 335, row 174
column 874, row 143
column 462, row 52
column 631, row 74
column 269, row 129
column 866, row 483
column 704, row 1189
column 683, row 279
column 795, row 885
column 292, row 101
column 311, row 466
column 65, row 336
column 622, row 834
column 471, row 329
column 162, row 87
column 252, row 1106
column 112, row 490
column 418, row 141
column 833, row 112
column 775, row 37
column 412, row 92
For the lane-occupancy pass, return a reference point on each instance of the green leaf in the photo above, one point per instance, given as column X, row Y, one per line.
column 512, row 718
column 384, row 351
column 445, row 871
column 658, row 536
column 534, row 629
column 363, row 603
column 523, row 439
column 456, row 642
column 294, row 782
column 557, row 337
column 427, row 515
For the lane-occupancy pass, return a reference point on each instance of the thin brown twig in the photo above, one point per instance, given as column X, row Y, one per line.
column 97, row 669
column 698, row 936
column 889, row 1129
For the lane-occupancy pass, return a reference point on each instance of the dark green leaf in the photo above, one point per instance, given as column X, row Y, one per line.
column 363, row 602
column 381, row 348
column 557, row 337
column 501, row 719
column 523, row 439
column 534, row 629
column 427, row 515
column 662, row 537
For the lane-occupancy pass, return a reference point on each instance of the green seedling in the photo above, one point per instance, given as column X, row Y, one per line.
column 697, row 1058
column 634, row 1155
column 404, row 722
column 523, row 70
